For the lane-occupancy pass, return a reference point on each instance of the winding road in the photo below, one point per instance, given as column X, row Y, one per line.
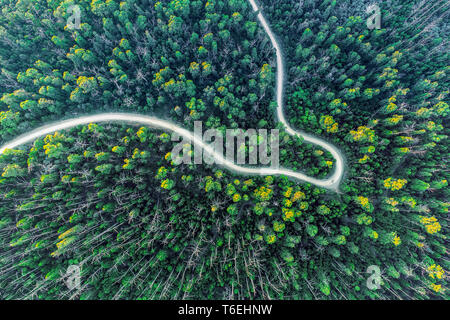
column 331, row 183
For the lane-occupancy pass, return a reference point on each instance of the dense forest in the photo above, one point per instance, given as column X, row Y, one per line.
column 109, row 198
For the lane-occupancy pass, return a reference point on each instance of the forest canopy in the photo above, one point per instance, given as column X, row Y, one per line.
column 108, row 197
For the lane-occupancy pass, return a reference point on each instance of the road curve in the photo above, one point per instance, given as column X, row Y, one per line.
column 331, row 183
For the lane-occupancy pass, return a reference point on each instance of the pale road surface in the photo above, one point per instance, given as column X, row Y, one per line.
column 331, row 183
